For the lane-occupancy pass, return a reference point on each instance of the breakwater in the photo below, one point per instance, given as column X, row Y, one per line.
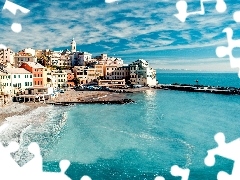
column 67, row 103
column 200, row 88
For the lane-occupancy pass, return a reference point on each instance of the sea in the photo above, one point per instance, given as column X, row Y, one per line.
column 143, row 140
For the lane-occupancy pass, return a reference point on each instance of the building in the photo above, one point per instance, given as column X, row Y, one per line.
column 142, row 74
column 70, row 78
column 45, row 52
column 39, row 73
column 59, row 78
column 29, row 51
column 116, row 72
column 80, row 72
column 64, row 61
column 21, row 57
column 15, row 80
column 99, row 70
column 104, row 59
column 54, row 57
column 6, row 56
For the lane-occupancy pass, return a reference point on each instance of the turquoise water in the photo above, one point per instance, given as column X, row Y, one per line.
column 143, row 140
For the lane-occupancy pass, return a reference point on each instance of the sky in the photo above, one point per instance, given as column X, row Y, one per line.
column 130, row 29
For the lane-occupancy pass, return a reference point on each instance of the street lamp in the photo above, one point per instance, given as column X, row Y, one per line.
column 196, row 82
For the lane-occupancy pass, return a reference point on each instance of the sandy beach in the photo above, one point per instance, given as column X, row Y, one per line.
column 86, row 96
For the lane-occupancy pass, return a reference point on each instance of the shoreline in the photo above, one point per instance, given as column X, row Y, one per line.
column 17, row 109
column 71, row 96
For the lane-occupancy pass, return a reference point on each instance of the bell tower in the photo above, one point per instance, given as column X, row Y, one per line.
column 73, row 46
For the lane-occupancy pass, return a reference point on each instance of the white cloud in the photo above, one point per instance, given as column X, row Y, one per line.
column 145, row 26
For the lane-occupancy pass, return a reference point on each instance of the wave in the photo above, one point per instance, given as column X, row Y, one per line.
column 42, row 125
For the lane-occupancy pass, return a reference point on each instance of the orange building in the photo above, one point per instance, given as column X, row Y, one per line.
column 70, row 77
column 38, row 72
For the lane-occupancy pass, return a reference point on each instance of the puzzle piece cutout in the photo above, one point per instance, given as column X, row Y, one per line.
column 227, row 150
column 85, row 178
column 12, row 7
column 2, row 46
column 111, row 1
column 32, row 169
column 236, row 16
column 177, row 171
column 222, row 51
column 182, row 7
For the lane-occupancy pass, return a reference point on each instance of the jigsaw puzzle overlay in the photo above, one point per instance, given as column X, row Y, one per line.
column 32, row 169
column 8, row 165
column 226, row 150
column 182, row 9
column 221, row 7
column 12, row 7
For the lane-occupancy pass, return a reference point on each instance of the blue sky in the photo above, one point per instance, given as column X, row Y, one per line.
column 128, row 28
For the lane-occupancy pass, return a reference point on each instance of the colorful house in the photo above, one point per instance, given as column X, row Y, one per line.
column 39, row 73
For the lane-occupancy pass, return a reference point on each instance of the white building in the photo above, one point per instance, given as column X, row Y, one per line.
column 59, row 79
column 14, row 80
column 54, row 57
column 6, row 56
column 80, row 58
column 141, row 73
column 29, row 51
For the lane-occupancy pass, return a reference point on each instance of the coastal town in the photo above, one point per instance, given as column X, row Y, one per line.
column 33, row 74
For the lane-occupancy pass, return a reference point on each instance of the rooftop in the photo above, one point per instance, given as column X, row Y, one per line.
column 17, row 71
column 34, row 65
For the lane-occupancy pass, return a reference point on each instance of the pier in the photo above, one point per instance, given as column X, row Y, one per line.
column 200, row 88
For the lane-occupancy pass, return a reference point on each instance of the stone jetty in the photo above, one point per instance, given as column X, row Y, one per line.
column 200, row 88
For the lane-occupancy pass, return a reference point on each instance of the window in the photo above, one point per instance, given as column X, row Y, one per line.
column 18, row 76
column 14, row 76
column 30, row 76
column 26, row 84
column 30, row 83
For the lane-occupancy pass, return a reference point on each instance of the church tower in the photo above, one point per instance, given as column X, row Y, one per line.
column 73, row 46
